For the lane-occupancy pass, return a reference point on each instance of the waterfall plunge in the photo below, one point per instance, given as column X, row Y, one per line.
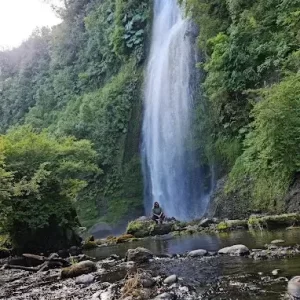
column 167, row 118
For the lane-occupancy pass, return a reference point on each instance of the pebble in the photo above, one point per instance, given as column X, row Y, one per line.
column 164, row 296
column 171, row 279
column 275, row 242
column 276, row 272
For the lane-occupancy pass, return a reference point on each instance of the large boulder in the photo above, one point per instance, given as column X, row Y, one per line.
column 236, row 250
column 294, row 287
column 139, row 255
column 161, row 229
column 274, row 221
column 140, row 229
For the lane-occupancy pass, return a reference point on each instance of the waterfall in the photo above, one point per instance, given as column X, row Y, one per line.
column 170, row 174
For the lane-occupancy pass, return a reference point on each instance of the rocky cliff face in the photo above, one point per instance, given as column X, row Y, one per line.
column 237, row 204
column 292, row 199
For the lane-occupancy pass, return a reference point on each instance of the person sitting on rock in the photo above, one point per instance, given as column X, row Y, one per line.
column 157, row 213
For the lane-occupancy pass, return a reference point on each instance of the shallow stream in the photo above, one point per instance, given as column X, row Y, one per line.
column 221, row 277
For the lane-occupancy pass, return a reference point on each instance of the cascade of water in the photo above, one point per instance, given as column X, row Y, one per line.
column 167, row 117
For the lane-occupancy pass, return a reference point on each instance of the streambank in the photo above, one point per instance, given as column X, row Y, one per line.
column 144, row 227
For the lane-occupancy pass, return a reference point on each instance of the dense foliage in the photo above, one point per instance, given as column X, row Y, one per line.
column 83, row 78
column 40, row 178
column 271, row 157
column 249, row 110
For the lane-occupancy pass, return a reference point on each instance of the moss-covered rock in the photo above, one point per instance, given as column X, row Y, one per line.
column 222, row 226
column 179, row 226
column 139, row 228
column 274, row 222
column 84, row 267
column 191, row 229
column 124, row 238
column 144, row 228
column 89, row 245
column 232, row 224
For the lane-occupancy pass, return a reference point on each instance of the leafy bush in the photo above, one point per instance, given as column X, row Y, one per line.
column 43, row 176
column 130, row 28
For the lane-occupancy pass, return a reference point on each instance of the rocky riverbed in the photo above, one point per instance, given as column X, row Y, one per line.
column 204, row 259
column 234, row 272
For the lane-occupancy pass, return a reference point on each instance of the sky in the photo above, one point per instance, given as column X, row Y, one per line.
column 18, row 19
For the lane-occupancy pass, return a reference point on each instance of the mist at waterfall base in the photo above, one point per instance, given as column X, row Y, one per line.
column 172, row 173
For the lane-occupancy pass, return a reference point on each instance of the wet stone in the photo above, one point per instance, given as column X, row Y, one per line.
column 197, row 253
column 85, row 279
column 164, row 296
column 171, row 279
column 276, row 272
column 275, row 242
column 139, row 255
column 236, row 250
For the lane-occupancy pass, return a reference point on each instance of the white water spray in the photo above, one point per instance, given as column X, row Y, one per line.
column 167, row 118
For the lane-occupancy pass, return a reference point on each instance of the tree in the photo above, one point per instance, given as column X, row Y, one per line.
column 43, row 176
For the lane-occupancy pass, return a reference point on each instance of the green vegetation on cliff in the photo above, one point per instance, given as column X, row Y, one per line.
column 249, row 116
column 83, row 78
